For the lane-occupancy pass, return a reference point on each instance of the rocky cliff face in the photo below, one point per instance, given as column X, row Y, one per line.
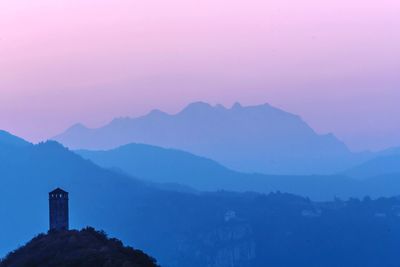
column 231, row 244
column 234, row 246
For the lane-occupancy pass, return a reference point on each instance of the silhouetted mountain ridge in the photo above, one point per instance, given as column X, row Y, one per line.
column 251, row 139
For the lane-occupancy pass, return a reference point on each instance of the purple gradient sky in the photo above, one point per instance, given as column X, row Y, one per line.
column 334, row 62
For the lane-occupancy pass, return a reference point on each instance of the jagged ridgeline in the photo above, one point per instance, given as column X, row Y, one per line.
column 261, row 139
column 87, row 247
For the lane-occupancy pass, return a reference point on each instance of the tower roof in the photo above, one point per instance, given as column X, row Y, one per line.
column 58, row 191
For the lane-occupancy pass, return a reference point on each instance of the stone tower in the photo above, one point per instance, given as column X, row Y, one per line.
column 58, row 203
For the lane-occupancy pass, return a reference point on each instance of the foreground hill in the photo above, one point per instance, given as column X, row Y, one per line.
column 260, row 139
column 85, row 248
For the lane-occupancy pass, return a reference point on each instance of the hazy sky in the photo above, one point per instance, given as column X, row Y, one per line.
column 334, row 62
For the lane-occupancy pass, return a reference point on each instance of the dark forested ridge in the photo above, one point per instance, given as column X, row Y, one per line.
column 85, row 248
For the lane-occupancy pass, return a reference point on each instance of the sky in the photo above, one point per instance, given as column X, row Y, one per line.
column 334, row 62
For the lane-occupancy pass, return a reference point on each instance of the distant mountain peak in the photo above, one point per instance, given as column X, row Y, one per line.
column 52, row 144
column 197, row 106
column 237, row 105
column 200, row 105
column 77, row 127
column 157, row 112
column 262, row 108
column 220, row 106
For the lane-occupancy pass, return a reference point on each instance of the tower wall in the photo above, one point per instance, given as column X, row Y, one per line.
column 59, row 210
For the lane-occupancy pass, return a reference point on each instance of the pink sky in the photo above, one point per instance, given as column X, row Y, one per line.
column 334, row 62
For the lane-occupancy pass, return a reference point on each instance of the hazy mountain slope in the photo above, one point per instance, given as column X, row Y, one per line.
column 252, row 139
column 7, row 139
column 376, row 167
column 161, row 165
column 393, row 151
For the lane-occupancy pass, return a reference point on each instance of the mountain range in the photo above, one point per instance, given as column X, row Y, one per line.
column 254, row 139
column 219, row 229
